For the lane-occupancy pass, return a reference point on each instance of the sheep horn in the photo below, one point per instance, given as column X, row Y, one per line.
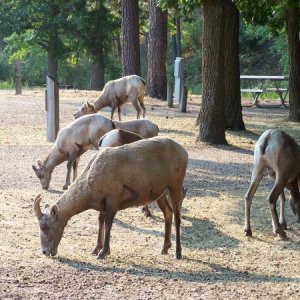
column 36, row 206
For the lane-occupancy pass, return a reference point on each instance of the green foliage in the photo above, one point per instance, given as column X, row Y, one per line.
column 261, row 53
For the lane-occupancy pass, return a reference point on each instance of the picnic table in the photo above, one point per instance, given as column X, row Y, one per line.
column 260, row 81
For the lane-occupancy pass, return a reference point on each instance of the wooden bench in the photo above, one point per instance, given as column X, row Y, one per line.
column 255, row 93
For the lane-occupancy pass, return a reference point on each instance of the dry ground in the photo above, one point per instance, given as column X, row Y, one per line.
column 218, row 261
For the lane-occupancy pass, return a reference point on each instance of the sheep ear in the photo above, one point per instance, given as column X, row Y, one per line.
column 88, row 104
column 54, row 211
column 39, row 163
column 34, row 168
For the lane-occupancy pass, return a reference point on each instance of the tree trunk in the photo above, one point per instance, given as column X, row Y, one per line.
column 130, row 37
column 212, row 113
column 52, row 59
column 174, row 43
column 97, row 76
column 18, row 77
column 294, row 60
column 233, row 106
column 178, row 37
column 157, row 52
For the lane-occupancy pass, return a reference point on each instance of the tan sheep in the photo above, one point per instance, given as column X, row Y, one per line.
column 115, row 93
column 117, row 178
column 277, row 154
column 78, row 137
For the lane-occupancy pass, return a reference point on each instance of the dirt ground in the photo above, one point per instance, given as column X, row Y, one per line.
column 218, row 261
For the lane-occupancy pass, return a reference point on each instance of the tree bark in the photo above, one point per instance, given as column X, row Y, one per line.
column 294, row 60
column 212, row 113
column 18, row 77
column 52, row 59
column 157, row 52
column 97, row 76
column 130, row 37
column 233, row 106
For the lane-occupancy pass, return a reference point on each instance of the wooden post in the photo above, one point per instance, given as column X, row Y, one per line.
column 170, row 93
column 18, row 77
column 52, row 109
column 183, row 101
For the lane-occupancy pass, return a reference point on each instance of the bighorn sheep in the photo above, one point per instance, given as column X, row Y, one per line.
column 115, row 93
column 78, row 137
column 279, row 155
column 119, row 137
column 117, row 178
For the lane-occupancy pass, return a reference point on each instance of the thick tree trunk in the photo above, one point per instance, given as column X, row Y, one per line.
column 130, row 37
column 157, row 52
column 233, row 106
column 18, row 77
column 294, row 59
column 212, row 113
column 97, row 76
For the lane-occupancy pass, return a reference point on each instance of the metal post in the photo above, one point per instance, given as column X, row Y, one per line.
column 178, row 74
column 52, row 109
column 170, row 93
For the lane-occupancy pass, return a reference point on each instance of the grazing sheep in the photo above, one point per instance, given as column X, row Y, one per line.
column 117, row 178
column 78, row 137
column 115, row 93
column 278, row 154
column 119, row 137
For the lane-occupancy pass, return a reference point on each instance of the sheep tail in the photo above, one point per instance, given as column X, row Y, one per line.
column 143, row 80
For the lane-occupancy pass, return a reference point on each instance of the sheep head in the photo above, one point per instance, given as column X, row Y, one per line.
column 42, row 174
column 51, row 227
column 85, row 109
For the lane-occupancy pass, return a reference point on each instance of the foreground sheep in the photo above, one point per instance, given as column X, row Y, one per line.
column 78, row 137
column 278, row 154
column 117, row 178
column 115, row 93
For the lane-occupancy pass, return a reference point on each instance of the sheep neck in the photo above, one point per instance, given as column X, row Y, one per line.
column 54, row 158
column 74, row 201
column 102, row 101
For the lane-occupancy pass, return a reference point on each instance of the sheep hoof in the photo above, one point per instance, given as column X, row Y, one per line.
column 283, row 225
column 96, row 250
column 103, row 253
column 146, row 211
column 281, row 233
column 178, row 255
column 248, row 232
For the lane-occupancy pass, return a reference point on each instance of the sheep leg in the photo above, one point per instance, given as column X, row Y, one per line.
column 282, row 220
column 176, row 199
column 109, row 216
column 275, row 192
column 165, row 207
column 295, row 198
column 137, row 107
column 75, row 168
column 143, row 108
column 70, row 163
column 99, row 245
column 119, row 112
column 257, row 175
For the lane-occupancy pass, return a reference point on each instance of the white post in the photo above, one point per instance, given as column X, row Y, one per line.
column 52, row 109
column 178, row 75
